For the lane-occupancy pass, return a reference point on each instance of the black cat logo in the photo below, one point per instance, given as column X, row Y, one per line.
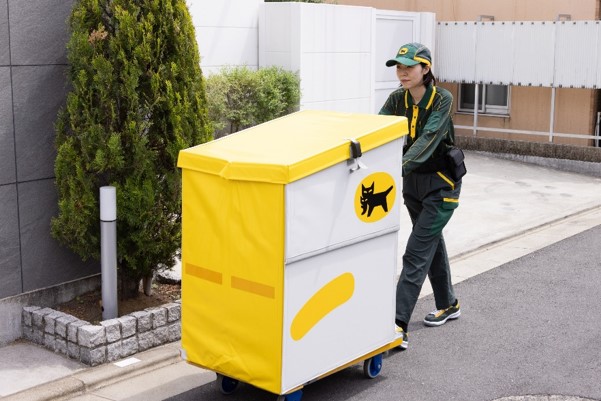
column 371, row 199
column 371, row 206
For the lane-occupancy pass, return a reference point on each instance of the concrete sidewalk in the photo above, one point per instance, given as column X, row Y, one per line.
column 507, row 209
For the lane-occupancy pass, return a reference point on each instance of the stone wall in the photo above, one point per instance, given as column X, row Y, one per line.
column 574, row 159
column 537, row 149
column 108, row 342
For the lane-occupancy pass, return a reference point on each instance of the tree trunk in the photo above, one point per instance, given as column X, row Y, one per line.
column 147, row 284
column 129, row 287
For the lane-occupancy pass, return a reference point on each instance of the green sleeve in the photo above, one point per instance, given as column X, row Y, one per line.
column 432, row 134
column 390, row 107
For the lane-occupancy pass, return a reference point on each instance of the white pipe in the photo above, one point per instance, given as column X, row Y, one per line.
column 476, row 106
column 597, row 128
column 552, row 117
column 108, row 251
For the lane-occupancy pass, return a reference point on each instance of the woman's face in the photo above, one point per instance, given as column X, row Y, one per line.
column 411, row 77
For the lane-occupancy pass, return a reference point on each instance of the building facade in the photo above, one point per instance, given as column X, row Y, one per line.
column 33, row 66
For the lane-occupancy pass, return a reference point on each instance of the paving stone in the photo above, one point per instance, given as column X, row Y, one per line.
column 161, row 335
column 27, row 311
column 144, row 321
column 93, row 356
column 38, row 317
column 62, row 322
column 113, row 351
column 60, row 346
column 49, row 341
column 113, row 330
column 129, row 346
column 73, row 350
column 128, row 326
column 91, row 336
column 50, row 321
column 38, row 336
column 28, row 333
column 159, row 317
column 175, row 332
column 174, row 312
column 73, row 328
column 145, row 340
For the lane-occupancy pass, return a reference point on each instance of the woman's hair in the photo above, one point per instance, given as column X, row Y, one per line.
column 429, row 77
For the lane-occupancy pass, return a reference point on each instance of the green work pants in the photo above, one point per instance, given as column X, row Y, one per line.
column 430, row 199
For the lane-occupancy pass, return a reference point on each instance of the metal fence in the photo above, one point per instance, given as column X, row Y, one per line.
column 555, row 54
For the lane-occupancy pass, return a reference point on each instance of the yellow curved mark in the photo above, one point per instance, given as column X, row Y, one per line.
column 324, row 301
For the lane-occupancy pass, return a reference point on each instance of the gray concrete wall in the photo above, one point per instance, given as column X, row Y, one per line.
column 33, row 66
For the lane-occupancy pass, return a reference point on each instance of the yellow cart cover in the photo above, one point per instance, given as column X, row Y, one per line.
column 291, row 147
column 240, row 199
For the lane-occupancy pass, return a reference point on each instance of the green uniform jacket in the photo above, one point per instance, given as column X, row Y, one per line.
column 430, row 125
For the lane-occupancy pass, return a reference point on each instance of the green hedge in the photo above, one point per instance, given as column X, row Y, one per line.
column 239, row 97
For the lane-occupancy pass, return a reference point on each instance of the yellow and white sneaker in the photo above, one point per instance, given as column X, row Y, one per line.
column 440, row 316
column 400, row 333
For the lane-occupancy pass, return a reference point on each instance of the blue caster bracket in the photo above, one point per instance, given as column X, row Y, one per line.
column 372, row 366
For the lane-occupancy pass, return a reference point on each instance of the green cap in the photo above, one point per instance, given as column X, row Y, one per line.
column 411, row 54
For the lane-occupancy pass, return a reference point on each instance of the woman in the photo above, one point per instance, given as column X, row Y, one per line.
column 429, row 192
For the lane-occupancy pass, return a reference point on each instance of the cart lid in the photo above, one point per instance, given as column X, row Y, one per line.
column 291, row 147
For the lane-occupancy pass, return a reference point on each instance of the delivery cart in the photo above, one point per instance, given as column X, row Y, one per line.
column 289, row 249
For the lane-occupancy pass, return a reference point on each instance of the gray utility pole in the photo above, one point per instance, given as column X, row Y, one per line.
column 108, row 251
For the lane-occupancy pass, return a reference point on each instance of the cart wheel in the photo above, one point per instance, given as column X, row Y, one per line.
column 227, row 385
column 296, row 396
column 372, row 366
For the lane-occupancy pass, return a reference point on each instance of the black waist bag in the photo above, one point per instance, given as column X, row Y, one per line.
column 456, row 161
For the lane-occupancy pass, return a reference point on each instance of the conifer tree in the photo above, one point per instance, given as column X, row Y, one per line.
column 137, row 97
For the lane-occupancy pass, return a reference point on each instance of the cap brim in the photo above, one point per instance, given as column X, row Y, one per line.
column 401, row 60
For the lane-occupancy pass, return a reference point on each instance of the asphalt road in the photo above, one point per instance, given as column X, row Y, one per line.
column 529, row 327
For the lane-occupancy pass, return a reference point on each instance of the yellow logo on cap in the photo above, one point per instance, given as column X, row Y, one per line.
column 404, row 50
column 374, row 197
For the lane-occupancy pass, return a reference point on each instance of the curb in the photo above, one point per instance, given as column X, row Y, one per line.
column 501, row 241
column 100, row 376
column 543, row 398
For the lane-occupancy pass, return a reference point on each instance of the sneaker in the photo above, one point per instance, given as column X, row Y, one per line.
column 400, row 333
column 440, row 317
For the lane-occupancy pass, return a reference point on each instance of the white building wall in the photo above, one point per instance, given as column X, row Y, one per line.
column 226, row 32
column 330, row 47
column 339, row 51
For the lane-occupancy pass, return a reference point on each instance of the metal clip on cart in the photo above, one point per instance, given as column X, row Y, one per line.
column 289, row 249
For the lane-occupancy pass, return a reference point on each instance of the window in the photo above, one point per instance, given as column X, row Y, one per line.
column 492, row 99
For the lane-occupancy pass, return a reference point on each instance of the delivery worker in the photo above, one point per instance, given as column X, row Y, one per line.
column 429, row 191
